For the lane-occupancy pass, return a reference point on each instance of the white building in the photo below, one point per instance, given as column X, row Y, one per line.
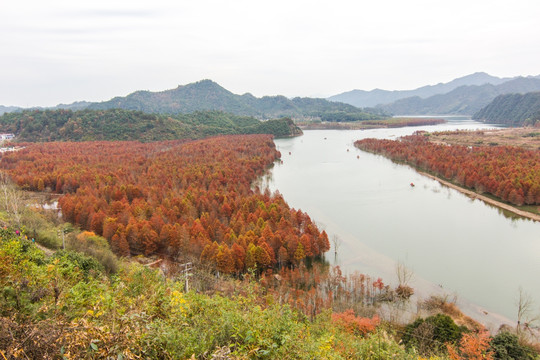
column 6, row 136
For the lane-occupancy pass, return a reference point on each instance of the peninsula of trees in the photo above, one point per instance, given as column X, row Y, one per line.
column 171, row 197
column 506, row 172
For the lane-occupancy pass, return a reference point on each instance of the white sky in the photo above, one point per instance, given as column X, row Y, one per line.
column 60, row 51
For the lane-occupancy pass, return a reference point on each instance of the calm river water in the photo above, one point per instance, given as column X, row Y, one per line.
column 453, row 245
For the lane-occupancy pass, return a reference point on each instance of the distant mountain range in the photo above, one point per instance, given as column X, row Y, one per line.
column 462, row 96
column 465, row 100
column 465, row 95
column 362, row 98
column 5, row 109
column 207, row 95
column 79, row 105
column 512, row 110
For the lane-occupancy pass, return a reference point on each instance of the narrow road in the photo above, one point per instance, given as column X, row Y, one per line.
column 47, row 251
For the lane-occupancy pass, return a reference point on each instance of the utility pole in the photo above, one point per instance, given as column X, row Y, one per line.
column 63, row 231
column 186, row 272
column 337, row 242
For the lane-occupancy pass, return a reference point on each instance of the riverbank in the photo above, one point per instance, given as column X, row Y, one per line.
column 526, row 138
column 486, row 199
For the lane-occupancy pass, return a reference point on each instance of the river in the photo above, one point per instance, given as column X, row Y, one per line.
column 454, row 245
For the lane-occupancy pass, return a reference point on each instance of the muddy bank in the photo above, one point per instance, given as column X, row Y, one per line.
column 486, row 199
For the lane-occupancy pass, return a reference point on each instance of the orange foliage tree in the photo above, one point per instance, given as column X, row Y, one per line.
column 472, row 347
column 355, row 324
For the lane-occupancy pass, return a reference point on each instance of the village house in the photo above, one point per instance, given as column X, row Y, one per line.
column 6, row 136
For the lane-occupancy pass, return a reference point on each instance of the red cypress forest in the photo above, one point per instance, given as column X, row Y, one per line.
column 509, row 173
column 174, row 197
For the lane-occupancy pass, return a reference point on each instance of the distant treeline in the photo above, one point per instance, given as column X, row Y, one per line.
column 117, row 124
column 513, row 110
column 342, row 116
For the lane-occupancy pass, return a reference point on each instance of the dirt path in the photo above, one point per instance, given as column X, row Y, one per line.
column 474, row 195
column 47, row 251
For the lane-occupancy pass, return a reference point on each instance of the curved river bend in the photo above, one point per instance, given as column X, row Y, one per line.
column 453, row 244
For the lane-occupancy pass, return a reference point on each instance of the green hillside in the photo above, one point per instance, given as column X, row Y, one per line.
column 208, row 95
column 117, row 124
column 513, row 110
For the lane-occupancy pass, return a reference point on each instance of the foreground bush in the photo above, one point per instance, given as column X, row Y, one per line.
column 430, row 335
column 67, row 306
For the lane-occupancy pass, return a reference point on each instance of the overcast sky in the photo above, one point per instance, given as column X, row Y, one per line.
column 61, row 51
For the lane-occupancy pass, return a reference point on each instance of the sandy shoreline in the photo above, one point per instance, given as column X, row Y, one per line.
column 486, row 199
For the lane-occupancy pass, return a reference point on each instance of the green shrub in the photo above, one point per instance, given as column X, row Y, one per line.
column 49, row 238
column 381, row 346
column 95, row 246
column 429, row 336
column 88, row 265
column 506, row 346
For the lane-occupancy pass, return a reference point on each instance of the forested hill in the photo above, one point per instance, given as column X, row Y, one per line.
column 117, row 124
column 513, row 110
column 5, row 109
column 208, row 95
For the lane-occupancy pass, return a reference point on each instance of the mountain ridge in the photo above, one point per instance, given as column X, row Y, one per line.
column 363, row 98
column 207, row 95
column 464, row 100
